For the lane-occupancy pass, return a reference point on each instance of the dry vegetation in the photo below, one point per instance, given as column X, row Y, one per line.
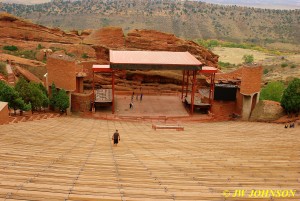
column 283, row 67
column 188, row 19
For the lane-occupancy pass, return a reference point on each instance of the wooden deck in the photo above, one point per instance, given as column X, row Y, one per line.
column 74, row 159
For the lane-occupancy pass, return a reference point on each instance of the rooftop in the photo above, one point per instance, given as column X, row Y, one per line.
column 153, row 60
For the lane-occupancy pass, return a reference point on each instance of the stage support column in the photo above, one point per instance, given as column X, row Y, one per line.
column 93, row 105
column 187, row 83
column 193, row 92
column 211, row 88
column 183, row 77
column 113, row 91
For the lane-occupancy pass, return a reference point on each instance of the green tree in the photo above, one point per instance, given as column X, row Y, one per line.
column 291, row 97
column 37, row 98
column 10, row 95
column 22, row 87
column 273, row 91
column 62, row 100
column 33, row 93
column 46, row 100
column 53, row 96
column 248, row 58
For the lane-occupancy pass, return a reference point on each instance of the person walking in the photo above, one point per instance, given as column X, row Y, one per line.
column 130, row 105
column 141, row 98
column 116, row 137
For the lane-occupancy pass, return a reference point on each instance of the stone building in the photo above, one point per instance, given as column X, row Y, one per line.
column 66, row 74
column 245, row 85
column 4, row 113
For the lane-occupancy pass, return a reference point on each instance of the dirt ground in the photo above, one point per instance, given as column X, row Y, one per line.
column 235, row 56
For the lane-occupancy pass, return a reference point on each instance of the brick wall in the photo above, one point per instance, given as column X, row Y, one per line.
column 251, row 79
column 80, row 102
column 62, row 71
column 222, row 109
column 87, row 68
column 4, row 116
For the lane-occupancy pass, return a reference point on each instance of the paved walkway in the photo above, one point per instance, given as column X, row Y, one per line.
column 8, row 69
column 73, row 159
column 150, row 106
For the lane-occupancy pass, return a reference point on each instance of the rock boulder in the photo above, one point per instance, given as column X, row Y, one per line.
column 267, row 111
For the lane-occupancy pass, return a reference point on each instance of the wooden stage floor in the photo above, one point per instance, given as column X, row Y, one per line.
column 73, row 159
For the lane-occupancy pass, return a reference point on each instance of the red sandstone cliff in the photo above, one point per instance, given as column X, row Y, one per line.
column 28, row 36
column 16, row 28
column 112, row 37
column 155, row 40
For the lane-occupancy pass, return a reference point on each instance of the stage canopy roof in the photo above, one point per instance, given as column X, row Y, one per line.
column 153, row 60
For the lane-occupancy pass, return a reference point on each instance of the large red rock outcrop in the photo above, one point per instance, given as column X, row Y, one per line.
column 110, row 37
column 16, row 28
column 27, row 75
column 155, row 40
column 107, row 38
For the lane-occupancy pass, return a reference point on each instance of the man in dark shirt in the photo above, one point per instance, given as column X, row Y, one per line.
column 116, row 137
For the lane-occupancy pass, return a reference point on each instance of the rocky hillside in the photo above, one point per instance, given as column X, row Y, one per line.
column 90, row 46
column 187, row 19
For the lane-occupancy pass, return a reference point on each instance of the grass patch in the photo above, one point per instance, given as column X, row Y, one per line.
column 3, row 69
column 283, row 65
column 28, row 54
column 293, row 66
column 10, row 48
column 226, row 64
column 37, row 71
column 218, row 43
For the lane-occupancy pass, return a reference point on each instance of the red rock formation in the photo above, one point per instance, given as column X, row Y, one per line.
column 267, row 110
column 109, row 37
column 155, row 40
column 27, row 75
column 16, row 28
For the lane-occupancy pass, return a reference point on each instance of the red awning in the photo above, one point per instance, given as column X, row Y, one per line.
column 102, row 68
column 208, row 70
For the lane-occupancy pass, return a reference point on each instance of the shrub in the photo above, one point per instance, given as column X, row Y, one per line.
column 84, row 56
column 10, row 95
column 293, row 66
column 40, row 47
column 10, row 48
column 248, row 58
column 266, row 71
column 3, row 69
column 32, row 93
column 291, row 97
column 283, row 65
column 273, row 91
column 62, row 100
